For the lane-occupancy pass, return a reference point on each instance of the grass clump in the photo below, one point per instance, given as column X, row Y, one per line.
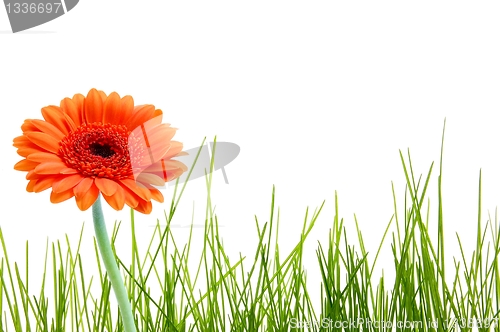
column 267, row 290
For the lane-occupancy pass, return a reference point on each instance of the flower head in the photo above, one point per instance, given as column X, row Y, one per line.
column 99, row 144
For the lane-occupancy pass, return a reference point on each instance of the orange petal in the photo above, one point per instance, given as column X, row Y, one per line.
column 158, row 114
column 117, row 200
column 159, row 140
column 166, row 165
column 42, row 157
column 50, row 168
column 68, row 171
column 172, row 175
column 155, row 194
column 103, row 95
column 106, row 186
column 153, row 123
column 44, row 141
column 55, row 116
column 79, row 100
column 62, row 196
column 131, row 199
column 149, row 178
column 25, row 165
column 71, row 109
column 93, row 107
column 84, row 186
column 27, row 151
column 156, row 141
column 43, row 184
column 182, row 153
column 88, row 198
column 175, row 150
column 144, row 207
column 22, row 142
column 32, row 175
column 71, row 124
column 162, row 133
column 125, row 111
column 111, row 108
column 31, row 186
column 48, row 128
column 67, row 183
column 134, row 187
column 28, row 126
column 140, row 115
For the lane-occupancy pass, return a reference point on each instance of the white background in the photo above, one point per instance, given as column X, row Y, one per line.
column 319, row 95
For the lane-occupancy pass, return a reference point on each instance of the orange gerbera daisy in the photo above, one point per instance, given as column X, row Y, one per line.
column 99, row 144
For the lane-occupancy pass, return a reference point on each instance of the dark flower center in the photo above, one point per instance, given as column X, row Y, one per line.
column 101, row 149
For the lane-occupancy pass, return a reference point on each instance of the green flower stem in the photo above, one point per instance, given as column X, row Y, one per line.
column 114, row 275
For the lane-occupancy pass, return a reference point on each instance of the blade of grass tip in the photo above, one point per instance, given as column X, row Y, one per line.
column 271, row 220
column 14, row 310
column 187, row 289
column 454, row 294
column 218, row 283
column 60, row 300
column 363, row 252
column 406, row 243
column 326, row 277
column 144, row 292
column 72, row 261
column 25, row 297
column 41, row 313
column 369, row 271
column 479, row 231
column 137, row 273
column 260, row 245
column 1, row 293
column 396, row 214
column 224, row 282
column 170, row 320
column 265, row 253
column 417, row 203
column 235, row 291
column 131, row 288
column 483, row 278
column 486, row 286
column 471, row 275
column 174, row 207
column 491, row 266
column 428, row 245
column 188, row 250
column 169, row 284
column 496, row 237
column 98, row 260
column 84, row 293
column 253, row 313
column 131, row 273
column 293, row 253
column 67, row 275
column 54, row 276
column 209, row 234
column 142, row 285
column 187, row 280
column 467, row 275
column 28, row 326
column 22, row 294
column 440, row 216
column 338, row 232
